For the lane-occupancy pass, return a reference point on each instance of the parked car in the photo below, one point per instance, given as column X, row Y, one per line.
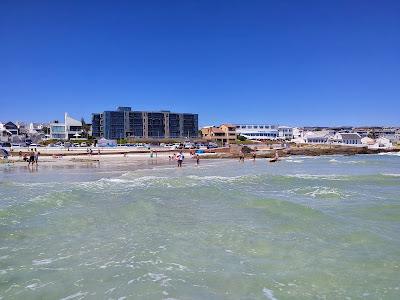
column 212, row 145
column 4, row 153
column 5, row 144
column 188, row 145
column 83, row 144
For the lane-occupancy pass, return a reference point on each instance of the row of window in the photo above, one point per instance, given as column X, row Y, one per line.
column 255, row 126
column 261, row 134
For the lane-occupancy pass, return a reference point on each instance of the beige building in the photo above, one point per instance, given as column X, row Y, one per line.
column 222, row 135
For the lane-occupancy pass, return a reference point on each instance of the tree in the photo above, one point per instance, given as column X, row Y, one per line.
column 241, row 138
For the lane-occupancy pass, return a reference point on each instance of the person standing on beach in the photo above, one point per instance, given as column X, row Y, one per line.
column 31, row 158
column 197, row 159
column 254, row 156
column 180, row 158
column 36, row 157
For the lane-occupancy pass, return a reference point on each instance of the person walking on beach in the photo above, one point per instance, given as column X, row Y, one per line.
column 197, row 159
column 254, row 156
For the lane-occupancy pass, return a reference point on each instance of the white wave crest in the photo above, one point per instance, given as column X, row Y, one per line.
column 269, row 294
column 319, row 176
column 391, row 174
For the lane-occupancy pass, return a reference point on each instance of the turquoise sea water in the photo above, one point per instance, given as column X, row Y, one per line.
column 303, row 228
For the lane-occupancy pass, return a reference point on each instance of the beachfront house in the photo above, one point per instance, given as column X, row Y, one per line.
column 389, row 133
column 317, row 137
column 230, row 132
column 222, row 135
column 344, row 138
column 381, row 143
column 367, row 141
column 5, row 135
column 70, row 129
column 285, row 132
column 12, row 128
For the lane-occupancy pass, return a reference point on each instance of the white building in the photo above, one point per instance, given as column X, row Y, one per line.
column 317, row 137
column 71, row 128
column 264, row 132
column 388, row 133
column 381, row 143
column 285, row 132
column 5, row 135
column 367, row 141
column 297, row 132
column 397, row 136
column 351, row 139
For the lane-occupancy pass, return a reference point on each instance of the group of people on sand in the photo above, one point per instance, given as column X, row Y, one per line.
column 179, row 157
column 31, row 158
column 254, row 155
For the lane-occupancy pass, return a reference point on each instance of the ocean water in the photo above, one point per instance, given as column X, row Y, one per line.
column 303, row 228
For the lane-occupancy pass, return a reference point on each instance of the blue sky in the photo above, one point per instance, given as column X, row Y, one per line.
column 286, row 62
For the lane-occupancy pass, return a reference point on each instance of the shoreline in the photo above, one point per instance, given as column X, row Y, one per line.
column 142, row 158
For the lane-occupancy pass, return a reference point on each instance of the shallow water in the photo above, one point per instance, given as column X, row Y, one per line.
column 303, row 228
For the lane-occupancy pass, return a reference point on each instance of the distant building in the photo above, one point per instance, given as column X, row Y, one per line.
column 389, row 133
column 347, row 138
column 285, row 132
column 258, row 132
column 35, row 127
column 381, row 143
column 367, row 141
column 70, row 129
column 12, row 128
column 5, row 135
column 125, row 123
column 222, row 135
column 317, row 137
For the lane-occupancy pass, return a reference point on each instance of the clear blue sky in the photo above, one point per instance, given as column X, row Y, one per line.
column 287, row 62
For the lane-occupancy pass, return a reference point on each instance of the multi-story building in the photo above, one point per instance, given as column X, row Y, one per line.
column 285, row 132
column 124, row 123
column 71, row 128
column 258, row 132
column 222, row 135
column 12, row 128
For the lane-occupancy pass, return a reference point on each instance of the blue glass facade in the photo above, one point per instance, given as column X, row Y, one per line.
column 124, row 123
column 114, row 125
